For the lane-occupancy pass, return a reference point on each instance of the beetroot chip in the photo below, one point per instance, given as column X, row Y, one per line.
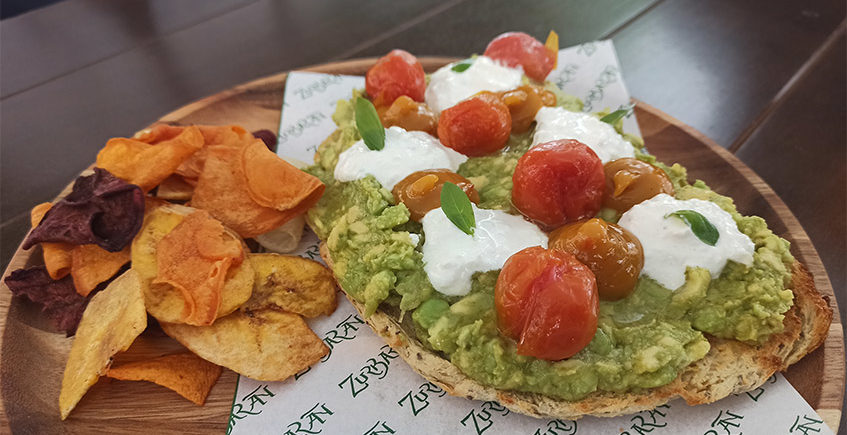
column 268, row 137
column 58, row 299
column 102, row 210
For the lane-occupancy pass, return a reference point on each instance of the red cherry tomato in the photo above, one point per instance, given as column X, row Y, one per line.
column 547, row 301
column 558, row 182
column 477, row 126
column 518, row 48
column 395, row 74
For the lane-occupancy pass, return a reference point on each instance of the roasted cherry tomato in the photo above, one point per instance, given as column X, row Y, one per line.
column 610, row 251
column 421, row 191
column 547, row 301
column 558, row 182
column 395, row 74
column 410, row 115
column 519, row 49
column 630, row 181
column 477, row 126
column 523, row 104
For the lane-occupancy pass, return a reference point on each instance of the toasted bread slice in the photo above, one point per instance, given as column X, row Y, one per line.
column 729, row 367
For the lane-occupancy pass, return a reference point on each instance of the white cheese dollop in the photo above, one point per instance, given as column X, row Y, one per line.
column 451, row 257
column 670, row 246
column 405, row 152
column 556, row 123
column 447, row 87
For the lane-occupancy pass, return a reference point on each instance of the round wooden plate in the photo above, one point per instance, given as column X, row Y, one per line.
column 32, row 356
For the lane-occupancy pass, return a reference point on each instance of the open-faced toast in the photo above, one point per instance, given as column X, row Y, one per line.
column 729, row 367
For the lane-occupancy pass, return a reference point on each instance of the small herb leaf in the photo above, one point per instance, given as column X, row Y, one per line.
column 369, row 125
column 617, row 115
column 462, row 66
column 457, row 207
column 700, row 226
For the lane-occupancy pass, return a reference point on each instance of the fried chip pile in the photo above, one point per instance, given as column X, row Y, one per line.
column 294, row 284
column 265, row 345
column 185, row 373
column 110, row 323
column 148, row 163
column 89, row 265
column 189, row 266
column 101, row 209
column 195, row 258
column 253, row 191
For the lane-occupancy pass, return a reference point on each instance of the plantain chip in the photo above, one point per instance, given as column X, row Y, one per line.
column 265, row 345
column 195, row 258
column 164, row 301
column 110, row 323
column 185, row 373
column 175, row 188
column 294, row 284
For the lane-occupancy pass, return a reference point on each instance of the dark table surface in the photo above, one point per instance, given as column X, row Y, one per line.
column 765, row 79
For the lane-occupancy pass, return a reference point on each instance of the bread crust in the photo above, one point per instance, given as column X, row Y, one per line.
column 729, row 367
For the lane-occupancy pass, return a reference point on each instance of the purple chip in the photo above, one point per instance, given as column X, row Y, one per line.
column 268, row 137
column 102, row 209
column 58, row 299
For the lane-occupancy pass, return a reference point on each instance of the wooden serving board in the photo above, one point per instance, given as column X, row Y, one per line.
column 32, row 356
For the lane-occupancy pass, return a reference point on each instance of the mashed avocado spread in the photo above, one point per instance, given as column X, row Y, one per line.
column 642, row 341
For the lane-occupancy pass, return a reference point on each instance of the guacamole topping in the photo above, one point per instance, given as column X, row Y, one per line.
column 642, row 341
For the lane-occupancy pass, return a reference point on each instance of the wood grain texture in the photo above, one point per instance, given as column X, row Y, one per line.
column 32, row 55
column 32, row 357
column 807, row 125
column 717, row 65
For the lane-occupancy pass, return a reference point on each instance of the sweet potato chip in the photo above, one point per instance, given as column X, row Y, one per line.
column 158, row 133
column 225, row 135
column 147, row 165
column 166, row 303
column 195, row 257
column 57, row 256
column 101, row 209
column 293, row 284
column 175, row 188
column 265, row 345
column 273, row 182
column 92, row 265
column 163, row 301
column 187, row 374
column 223, row 189
column 110, row 323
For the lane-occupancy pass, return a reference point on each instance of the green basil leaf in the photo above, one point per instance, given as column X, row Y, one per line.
column 617, row 115
column 700, row 226
column 369, row 125
column 462, row 66
column 457, row 207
